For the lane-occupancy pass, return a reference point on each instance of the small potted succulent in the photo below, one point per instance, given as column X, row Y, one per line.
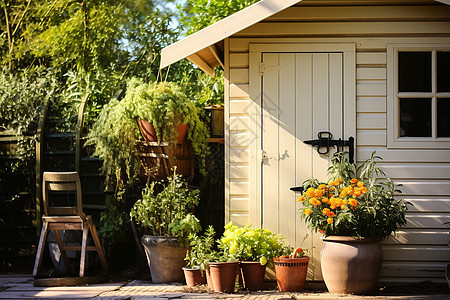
column 168, row 221
column 255, row 248
column 198, row 256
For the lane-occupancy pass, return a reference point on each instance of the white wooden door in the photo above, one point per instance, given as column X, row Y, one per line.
column 302, row 94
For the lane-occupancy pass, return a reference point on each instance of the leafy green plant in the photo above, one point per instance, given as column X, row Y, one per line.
column 354, row 202
column 245, row 243
column 167, row 213
column 202, row 249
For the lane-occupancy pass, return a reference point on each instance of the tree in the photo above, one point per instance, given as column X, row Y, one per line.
column 198, row 14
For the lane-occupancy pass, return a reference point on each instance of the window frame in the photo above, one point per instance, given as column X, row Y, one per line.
column 393, row 104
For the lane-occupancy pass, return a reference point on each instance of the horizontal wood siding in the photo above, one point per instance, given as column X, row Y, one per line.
column 419, row 251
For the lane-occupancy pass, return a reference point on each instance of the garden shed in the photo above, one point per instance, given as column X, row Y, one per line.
column 377, row 71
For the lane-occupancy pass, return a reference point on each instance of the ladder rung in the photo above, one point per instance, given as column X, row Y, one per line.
column 78, row 248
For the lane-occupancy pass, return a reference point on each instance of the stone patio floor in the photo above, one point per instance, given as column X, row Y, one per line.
column 21, row 287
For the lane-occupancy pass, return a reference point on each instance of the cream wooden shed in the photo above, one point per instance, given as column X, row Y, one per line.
column 375, row 70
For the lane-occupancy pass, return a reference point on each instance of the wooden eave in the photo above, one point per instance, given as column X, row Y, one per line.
column 205, row 48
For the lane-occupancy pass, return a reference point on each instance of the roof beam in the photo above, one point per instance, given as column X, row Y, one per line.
column 216, row 54
column 199, row 62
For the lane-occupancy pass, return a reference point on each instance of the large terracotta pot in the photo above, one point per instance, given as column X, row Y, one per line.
column 165, row 258
column 350, row 265
column 252, row 275
column 193, row 276
column 291, row 273
column 223, row 276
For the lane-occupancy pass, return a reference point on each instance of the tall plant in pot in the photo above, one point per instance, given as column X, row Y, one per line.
column 167, row 218
column 355, row 210
column 201, row 253
column 255, row 248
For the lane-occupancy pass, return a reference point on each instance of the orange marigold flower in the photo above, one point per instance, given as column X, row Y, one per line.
column 330, row 220
column 360, row 184
column 340, row 180
column 307, row 211
column 322, row 186
column 301, row 199
column 363, row 190
column 310, row 192
column 357, row 193
column 321, row 231
column 332, row 214
column 334, row 183
column 342, row 206
column 325, row 200
column 350, row 190
column 312, row 201
column 343, row 193
column 353, row 202
column 333, row 206
column 354, row 180
column 318, row 193
column 345, row 201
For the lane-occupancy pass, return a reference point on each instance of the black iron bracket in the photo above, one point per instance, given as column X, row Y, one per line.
column 325, row 142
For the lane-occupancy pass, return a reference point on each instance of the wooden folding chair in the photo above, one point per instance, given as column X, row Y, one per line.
column 66, row 218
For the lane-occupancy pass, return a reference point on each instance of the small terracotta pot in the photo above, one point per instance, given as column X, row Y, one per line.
column 350, row 265
column 209, row 280
column 223, row 276
column 252, row 273
column 291, row 272
column 193, row 276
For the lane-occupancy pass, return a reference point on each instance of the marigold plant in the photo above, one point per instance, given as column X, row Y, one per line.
column 354, row 202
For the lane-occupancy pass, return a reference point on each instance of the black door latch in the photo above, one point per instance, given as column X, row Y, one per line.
column 325, row 142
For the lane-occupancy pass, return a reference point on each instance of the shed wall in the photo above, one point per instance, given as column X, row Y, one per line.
column 420, row 250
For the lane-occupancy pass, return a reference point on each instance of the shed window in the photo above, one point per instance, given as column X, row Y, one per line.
column 420, row 97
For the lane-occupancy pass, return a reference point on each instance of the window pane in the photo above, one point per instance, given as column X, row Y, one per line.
column 443, row 117
column 443, row 72
column 415, row 117
column 414, row 71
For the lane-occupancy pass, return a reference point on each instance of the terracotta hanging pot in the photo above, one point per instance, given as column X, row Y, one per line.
column 350, row 265
column 148, row 131
column 223, row 276
column 291, row 272
column 252, row 273
column 193, row 276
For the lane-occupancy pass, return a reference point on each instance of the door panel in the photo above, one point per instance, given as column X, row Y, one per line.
column 301, row 96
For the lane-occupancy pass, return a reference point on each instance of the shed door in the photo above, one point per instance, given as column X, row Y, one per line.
column 301, row 95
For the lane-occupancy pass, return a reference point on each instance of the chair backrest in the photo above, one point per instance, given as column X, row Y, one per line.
column 62, row 181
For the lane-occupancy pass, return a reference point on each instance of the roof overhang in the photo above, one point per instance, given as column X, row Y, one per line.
column 205, row 48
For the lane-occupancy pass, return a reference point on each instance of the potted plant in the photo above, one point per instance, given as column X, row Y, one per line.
column 355, row 210
column 116, row 133
column 167, row 218
column 165, row 114
column 291, row 271
column 198, row 256
column 255, row 248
